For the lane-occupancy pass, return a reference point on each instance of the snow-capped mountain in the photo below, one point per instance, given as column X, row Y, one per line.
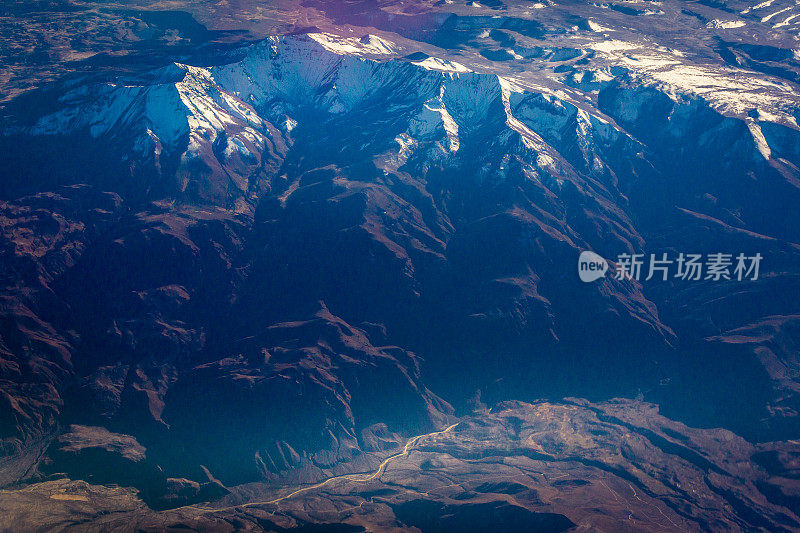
column 220, row 121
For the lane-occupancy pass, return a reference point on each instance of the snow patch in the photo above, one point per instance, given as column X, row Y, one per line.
column 725, row 24
column 595, row 27
column 442, row 65
column 369, row 44
column 612, row 45
column 760, row 140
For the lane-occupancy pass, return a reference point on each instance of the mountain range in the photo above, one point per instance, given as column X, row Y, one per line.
column 304, row 264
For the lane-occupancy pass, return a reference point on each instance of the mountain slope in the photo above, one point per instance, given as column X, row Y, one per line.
column 276, row 262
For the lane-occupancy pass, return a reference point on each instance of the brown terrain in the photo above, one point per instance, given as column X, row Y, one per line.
column 310, row 266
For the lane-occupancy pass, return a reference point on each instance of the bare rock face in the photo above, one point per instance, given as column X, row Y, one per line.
column 80, row 439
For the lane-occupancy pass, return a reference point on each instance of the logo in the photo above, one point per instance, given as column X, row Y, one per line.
column 591, row 266
column 717, row 267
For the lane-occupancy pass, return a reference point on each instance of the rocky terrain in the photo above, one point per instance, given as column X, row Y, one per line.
column 247, row 249
column 616, row 466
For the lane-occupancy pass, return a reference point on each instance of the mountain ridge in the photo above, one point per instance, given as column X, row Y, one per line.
column 275, row 264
